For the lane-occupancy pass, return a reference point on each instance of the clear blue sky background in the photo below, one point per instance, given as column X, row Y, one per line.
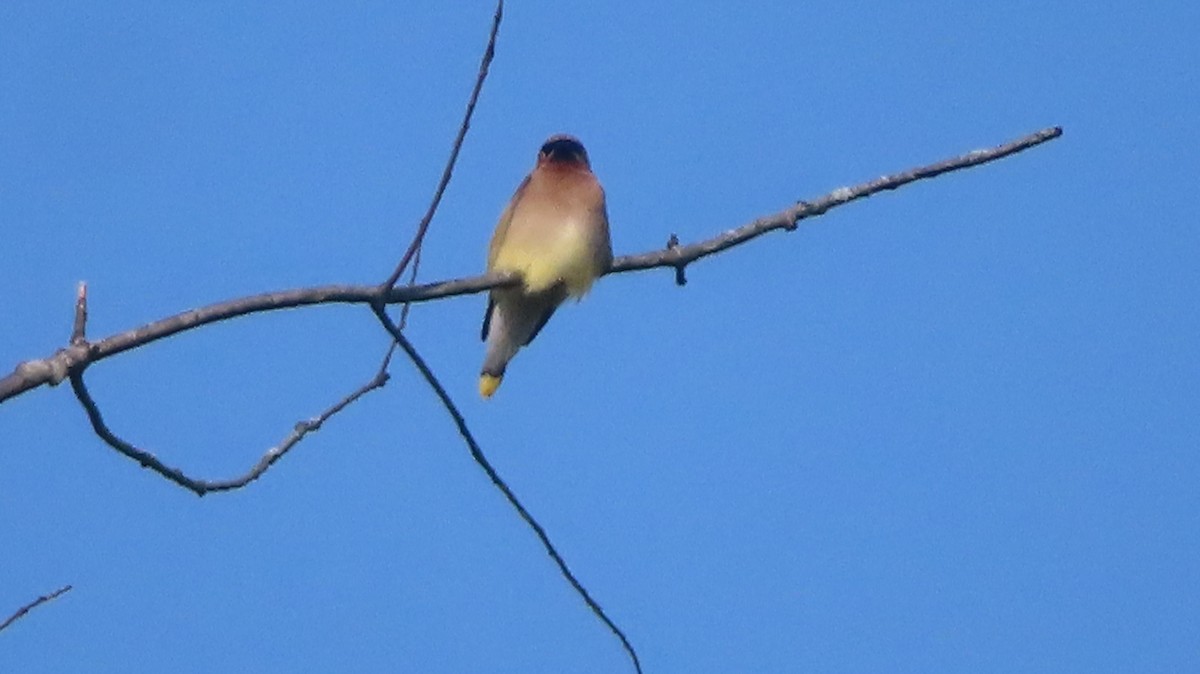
column 952, row 428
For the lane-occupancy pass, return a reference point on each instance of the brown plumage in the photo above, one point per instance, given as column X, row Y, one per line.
column 554, row 232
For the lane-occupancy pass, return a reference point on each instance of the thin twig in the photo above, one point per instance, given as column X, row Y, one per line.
column 202, row 487
column 481, row 460
column 412, row 280
column 34, row 604
column 414, row 254
column 488, row 54
column 53, row 369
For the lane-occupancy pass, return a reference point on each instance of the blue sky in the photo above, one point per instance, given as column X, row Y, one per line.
column 951, row 428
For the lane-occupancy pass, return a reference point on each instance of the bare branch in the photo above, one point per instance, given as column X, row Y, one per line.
column 202, row 487
column 53, row 369
column 413, row 248
column 787, row 219
column 481, row 460
column 20, row 613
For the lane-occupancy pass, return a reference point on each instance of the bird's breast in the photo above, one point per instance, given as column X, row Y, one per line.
column 549, row 249
column 557, row 232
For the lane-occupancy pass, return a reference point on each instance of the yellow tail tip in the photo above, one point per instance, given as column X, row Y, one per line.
column 488, row 385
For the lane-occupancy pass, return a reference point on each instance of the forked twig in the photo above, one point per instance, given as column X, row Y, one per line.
column 201, row 487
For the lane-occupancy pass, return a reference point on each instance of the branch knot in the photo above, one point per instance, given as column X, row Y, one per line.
column 680, row 264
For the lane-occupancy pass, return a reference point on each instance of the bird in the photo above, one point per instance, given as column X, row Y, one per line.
column 554, row 233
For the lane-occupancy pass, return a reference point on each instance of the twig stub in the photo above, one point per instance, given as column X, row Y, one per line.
column 79, row 328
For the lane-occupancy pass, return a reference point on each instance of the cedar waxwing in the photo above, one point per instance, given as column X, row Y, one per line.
column 554, row 231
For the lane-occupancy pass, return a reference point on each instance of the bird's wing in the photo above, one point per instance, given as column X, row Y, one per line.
column 487, row 318
column 551, row 299
column 505, row 220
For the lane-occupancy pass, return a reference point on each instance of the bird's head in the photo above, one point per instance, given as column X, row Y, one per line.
column 563, row 150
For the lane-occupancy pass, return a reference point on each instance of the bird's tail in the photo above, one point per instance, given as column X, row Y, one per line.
column 513, row 319
column 488, row 383
column 502, row 344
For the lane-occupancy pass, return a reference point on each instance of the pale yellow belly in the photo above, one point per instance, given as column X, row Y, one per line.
column 566, row 256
